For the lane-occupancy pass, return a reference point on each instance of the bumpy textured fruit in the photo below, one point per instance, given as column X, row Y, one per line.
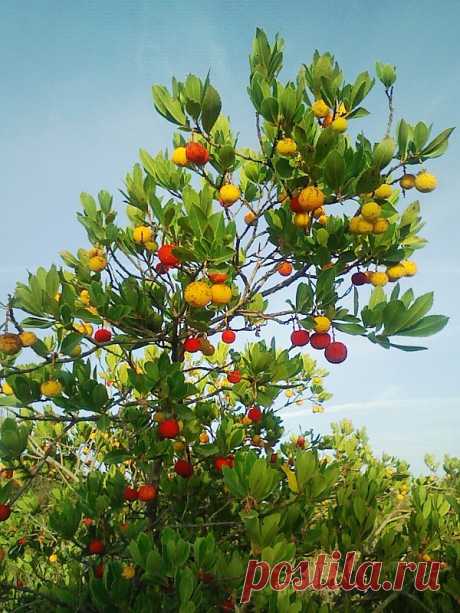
column 5, row 512
column 167, row 257
column 249, row 218
column 407, row 181
column 217, row 277
column 335, row 353
column 284, row 269
column 96, row 547
column 228, row 336
column 234, row 376
column 353, row 225
column 97, row 263
column 85, row 297
column 380, row 226
column 340, row 124
column 51, row 388
column 255, row 414
column 197, row 154
column 395, row 272
column 229, row 194
column 28, row 339
column 286, row 146
column 128, row 572
column 147, row 492
column 220, row 462
column 169, row 428
column 220, row 293
column 192, row 344
column 299, row 338
column 378, row 279
column 311, row 198
column 319, row 212
column 425, row 182
column 84, row 328
column 371, row 211
column 364, row 226
column 301, row 220
column 198, row 294
column 383, row 191
column 183, row 469
column 102, row 335
column 321, row 324
column 294, row 205
column 204, row 438
column 10, row 343
column 130, row 494
column 142, row 234
column 410, row 267
column 179, row 156
column 359, row 278
column 320, row 108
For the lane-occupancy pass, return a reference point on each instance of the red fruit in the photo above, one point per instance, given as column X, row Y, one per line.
column 255, row 414
column 147, row 492
column 183, row 468
column 130, row 493
column 102, row 335
column 234, row 376
column 99, row 571
column 299, row 338
column 228, row 336
column 300, row 442
column 169, row 428
column 359, row 278
column 162, row 269
column 274, row 458
column 87, row 521
column 336, row 353
column 5, row 512
column 96, row 547
column 320, row 340
column 218, row 277
column 192, row 344
column 284, row 269
column 220, row 462
column 197, row 153
column 22, row 541
column 166, row 256
column 295, row 206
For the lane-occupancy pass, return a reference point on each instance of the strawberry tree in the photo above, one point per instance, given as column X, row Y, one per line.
column 144, row 456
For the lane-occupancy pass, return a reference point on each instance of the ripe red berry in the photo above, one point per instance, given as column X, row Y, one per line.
column 5, row 512
column 255, row 414
column 320, row 340
column 87, row 521
column 192, row 344
column 130, row 493
column 169, row 428
column 300, row 442
column 196, row 153
column 234, row 376
column 359, row 278
column 228, row 336
column 284, row 269
column 299, row 338
column 166, row 256
column 146, row 493
column 183, row 468
column 102, row 335
column 99, row 571
column 295, row 206
column 162, row 269
column 96, row 547
column 220, row 462
column 336, row 353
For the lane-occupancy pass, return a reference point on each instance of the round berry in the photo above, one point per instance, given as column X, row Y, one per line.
column 255, row 414
column 96, row 547
column 5, row 512
column 192, row 344
column 130, row 493
column 320, row 340
column 228, row 336
column 183, row 468
column 147, row 493
column 169, row 428
column 167, row 257
column 234, row 376
column 299, row 338
column 359, row 278
column 102, row 335
column 336, row 353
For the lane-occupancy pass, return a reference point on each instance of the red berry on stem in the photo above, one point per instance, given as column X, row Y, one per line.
column 220, row 462
column 299, row 338
column 162, row 269
column 320, row 340
column 234, row 376
column 192, row 344
column 166, row 255
column 197, row 153
column 255, row 414
column 169, row 428
column 359, row 278
column 5, row 512
column 295, row 206
column 336, row 353
column 183, row 468
column 102, row 335
column 284, row 269
column 147, row 492
column 96, row 547
column 130, row 493
column 228, row 336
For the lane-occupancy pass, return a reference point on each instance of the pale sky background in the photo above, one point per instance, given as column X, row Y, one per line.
column 75, row 107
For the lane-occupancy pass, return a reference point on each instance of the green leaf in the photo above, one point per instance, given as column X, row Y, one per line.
column 350, row 328
column 386, row 73
column 334, row 170
column 426, row 327
column 383, row 152
column 377, row 296
column 435, row 148
column 211, row 108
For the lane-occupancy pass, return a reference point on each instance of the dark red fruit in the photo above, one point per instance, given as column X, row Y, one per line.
column 169, row 428
column 359, row 278
column 102, row 335
column 130, row 494
column 5, row 512
column 166, row 255
column 320, row 340
column 220, row 462
column 300, row 442
column 299, row 338
column 183, row 468
column 147, row 492
column 96, row 547
column 295, row 206
column 197, row 153
column 192, row 344
column 255, row 414
column 99, row 570
column 336, row 353
column 228, row 336
column 234, row 376
column 162, row 269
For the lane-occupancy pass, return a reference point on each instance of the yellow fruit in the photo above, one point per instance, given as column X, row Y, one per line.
column 311, row 198
column 317, row 213
column 51, row 388
column 286, row 146
column 249, row 218
column 179, row 156
column 151, row 245
column 53, row 558
column 396, row 272
column 28, row 339
column 229, row 194
column 84, row 328
column 302, row 220
column 198, row 294
column 10, row 343
column 320, row 108
column 128, row 572
column 7, row 389
column 94, row 251
column 323, row 220
column 384, row 191
column 364, row 227
column 84, row 297
column 289, row 393
column 378, row 279
column 410, row 267
column 380, row 226
column 97, row 263
column 399, row 497
column 221, row 293
column 142, row 234
column 322, row 324
column 425, row 182
column 204, row 438
column 178, row 446
column 339, row 125
column 353, row 225
column 407, row 181
column 371, row 211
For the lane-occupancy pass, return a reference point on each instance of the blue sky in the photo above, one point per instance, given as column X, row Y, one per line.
column 75, row 107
